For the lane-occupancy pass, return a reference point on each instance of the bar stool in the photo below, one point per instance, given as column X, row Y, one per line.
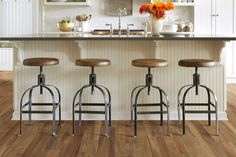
column 41, row 62
column 149, row 63
column 197, row 63
column 77, row 105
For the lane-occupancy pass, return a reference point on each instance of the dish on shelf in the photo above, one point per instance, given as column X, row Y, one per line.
column 170, row 28
column 177, row 33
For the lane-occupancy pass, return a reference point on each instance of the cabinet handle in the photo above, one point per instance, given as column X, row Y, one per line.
column 215, row 15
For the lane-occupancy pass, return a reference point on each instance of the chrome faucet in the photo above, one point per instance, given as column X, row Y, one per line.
column 128, row 29
column 111, row 28
column 121, row 12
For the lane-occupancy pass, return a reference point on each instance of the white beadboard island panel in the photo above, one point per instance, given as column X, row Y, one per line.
column 6, row 59
column 120, row 77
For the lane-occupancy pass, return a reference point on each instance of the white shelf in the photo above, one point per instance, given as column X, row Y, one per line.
column 177, row 4
column 46, row 3
column 181, row 4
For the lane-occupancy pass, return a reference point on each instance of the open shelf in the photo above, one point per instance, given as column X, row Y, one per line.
column 180, row 4
column 184, row 4
column 48, row 3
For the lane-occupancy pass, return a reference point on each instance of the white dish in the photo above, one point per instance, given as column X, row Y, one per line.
column 170, row 28
column 177, row 33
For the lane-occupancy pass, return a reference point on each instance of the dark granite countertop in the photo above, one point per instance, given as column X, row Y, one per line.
column 88, row 36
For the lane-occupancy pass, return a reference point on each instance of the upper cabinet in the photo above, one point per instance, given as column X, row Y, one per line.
column 66, row 2
column 214, row 16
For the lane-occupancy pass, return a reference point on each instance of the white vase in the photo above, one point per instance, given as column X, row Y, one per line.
column 157, row 25
column 84, row 25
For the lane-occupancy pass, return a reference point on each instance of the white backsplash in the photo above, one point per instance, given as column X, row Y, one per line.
column 53, row 14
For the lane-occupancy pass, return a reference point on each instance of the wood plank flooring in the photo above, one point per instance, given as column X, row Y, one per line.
column 89, row 141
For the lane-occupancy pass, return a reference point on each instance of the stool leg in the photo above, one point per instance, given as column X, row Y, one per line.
column 106, row 109
column 59, row 114
column 135, row 110
column 80, row 107
column 135, row 120
column 132, row 103
column 216, row 108
column 161, row 108
column 74, row 105
column 183, row 106
column 20, row 119
column 59, row 101
column 80, row 103
column 73, row 118
column 109, row 102
column 183, row 117
column 73, row 112
column 53, row 111
column 30, row 106
column 21, row 107
column 179, row 118
column 163, row 93
column 217, row 121
column 209, row 107
column 168, row 119
column 179, row 102
column 110, row 114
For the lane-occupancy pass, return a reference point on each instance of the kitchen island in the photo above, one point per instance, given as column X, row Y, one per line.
column 120, row 77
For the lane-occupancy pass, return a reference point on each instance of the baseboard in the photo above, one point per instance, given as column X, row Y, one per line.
column 122, row 116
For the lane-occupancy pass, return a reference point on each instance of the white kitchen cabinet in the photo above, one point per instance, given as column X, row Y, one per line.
column 66, row 2
column 214, row 16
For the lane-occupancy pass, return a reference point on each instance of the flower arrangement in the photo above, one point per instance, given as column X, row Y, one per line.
column 157, row 8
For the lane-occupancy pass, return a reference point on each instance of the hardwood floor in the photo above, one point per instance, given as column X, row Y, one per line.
column 89, row 142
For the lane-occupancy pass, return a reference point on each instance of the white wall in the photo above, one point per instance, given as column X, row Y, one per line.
column 16, row 18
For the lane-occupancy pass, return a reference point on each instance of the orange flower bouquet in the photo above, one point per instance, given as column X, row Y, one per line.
column 157, row 8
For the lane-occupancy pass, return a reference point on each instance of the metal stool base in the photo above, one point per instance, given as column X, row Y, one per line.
column 77, row 106
column 41, row 85
column 135, row 105
column 182, row 103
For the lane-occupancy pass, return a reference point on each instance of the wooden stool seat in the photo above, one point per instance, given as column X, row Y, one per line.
column 149, row 63
column 40, row 61
column 93, row 62
column 197, row 63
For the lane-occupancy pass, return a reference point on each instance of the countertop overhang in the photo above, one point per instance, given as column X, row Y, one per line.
column 88, row 36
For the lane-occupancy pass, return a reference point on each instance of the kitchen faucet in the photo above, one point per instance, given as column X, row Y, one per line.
column 121, row 12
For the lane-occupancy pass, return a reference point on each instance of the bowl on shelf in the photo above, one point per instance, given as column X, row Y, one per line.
column 65, row 27
column 170, row 28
